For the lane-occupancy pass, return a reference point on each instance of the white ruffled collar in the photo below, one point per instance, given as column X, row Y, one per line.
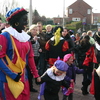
column 98, row 71
column 52, row 39
column 22, row 37
column 52, row 76
column 97, row 46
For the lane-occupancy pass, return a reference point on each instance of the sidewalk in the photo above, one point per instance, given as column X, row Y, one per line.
column 77, row 91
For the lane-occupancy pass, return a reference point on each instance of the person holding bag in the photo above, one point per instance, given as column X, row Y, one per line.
column 70, row 77
column 15, row 54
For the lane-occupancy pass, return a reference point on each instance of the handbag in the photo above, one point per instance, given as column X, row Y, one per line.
column 16, row 88
column 66, row 91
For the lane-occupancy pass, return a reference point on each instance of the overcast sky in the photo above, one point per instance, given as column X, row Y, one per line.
column 53, row 8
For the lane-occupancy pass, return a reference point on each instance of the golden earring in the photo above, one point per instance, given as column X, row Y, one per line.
column 16, row 24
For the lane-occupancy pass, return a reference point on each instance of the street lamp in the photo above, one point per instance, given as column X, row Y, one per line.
column 30, row 13
column 63, row 13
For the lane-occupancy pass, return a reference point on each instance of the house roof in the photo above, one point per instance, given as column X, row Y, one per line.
column 80, row 4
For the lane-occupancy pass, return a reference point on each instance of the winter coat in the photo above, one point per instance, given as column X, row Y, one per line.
column 71, row 73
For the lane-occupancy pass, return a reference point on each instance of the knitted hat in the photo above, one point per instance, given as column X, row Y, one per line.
column 15, row 14
column 66, row 57
column 61, row 65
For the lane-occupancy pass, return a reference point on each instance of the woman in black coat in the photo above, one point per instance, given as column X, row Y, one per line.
column 85, row 61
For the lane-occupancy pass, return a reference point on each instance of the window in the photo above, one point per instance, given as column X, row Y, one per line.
column 70, row 11
column 89, row 11
column 76, row 19
column 95, row 22
column 96, row 18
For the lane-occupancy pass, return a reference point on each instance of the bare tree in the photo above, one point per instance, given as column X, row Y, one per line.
column 6, row 5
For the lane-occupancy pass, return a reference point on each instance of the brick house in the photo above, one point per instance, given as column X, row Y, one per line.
column 57, row 20
column 96, row 19
column 80, row 11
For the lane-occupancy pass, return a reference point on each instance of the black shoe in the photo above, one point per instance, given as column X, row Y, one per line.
column 84, row 92
column 33, row 90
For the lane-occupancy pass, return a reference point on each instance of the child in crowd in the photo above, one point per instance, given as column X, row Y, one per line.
column 70, row 76
column 54, row 79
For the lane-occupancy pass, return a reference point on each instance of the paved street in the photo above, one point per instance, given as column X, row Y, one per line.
column 77, row 92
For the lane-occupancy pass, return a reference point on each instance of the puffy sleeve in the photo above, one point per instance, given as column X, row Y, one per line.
column 90, row 57
column 31, row 62
column 3, row 46
column 3, row 66
column 65, row 46
column 47, row 46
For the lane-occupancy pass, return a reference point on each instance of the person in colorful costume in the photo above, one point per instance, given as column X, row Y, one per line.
column 56, row 47
column 95, row 84
column 17, row 18
column 97, row 47
column 53, row 79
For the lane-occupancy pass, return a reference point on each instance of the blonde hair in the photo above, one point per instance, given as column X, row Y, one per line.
column 32, row 27
column 48, row 26
column 77, row 34
column 54, row 67
column 89, row 32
